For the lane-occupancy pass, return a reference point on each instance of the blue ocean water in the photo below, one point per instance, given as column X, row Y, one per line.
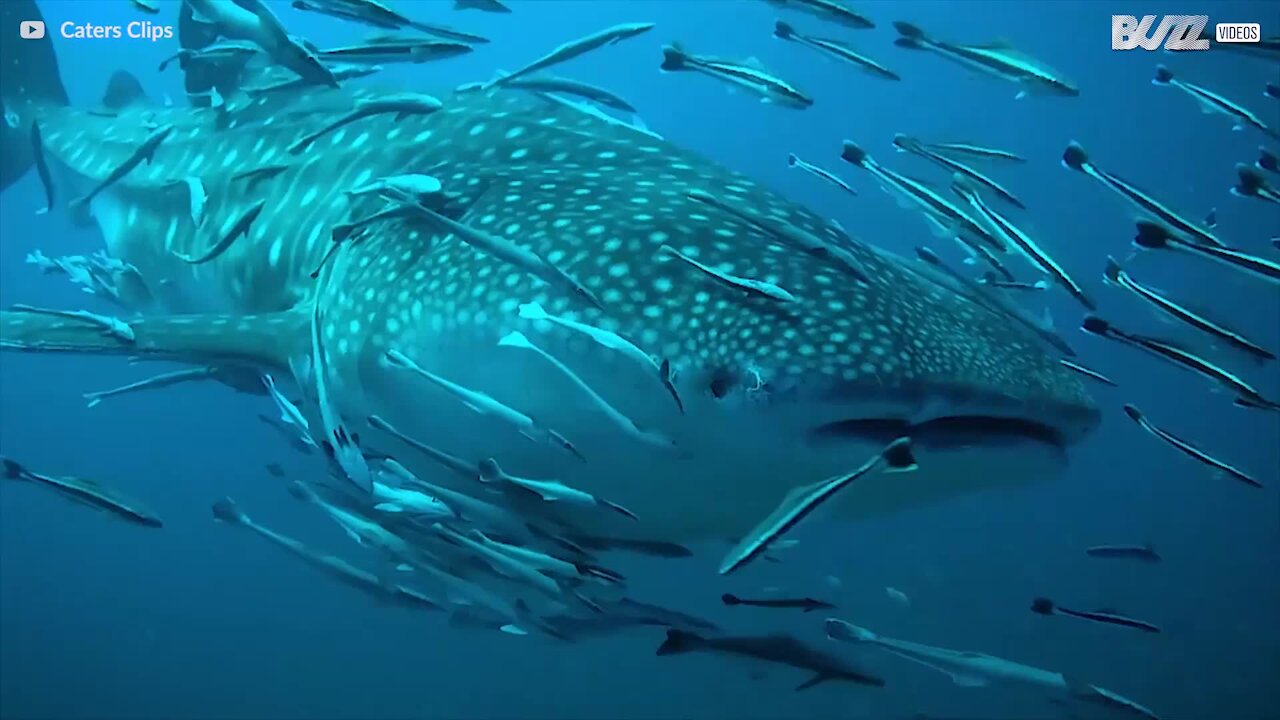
column 102, row 619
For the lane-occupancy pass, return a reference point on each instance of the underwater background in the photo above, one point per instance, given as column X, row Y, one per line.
column 99, row 619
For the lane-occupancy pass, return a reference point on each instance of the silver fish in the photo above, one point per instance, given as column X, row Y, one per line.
column 85, row 491
column 802, row 501
column 834, row 49
column 1187, row 448
column 1212, row 102
column 749, row 74
column 1075, row 158
column 1116, row 275
column 575, row 48
column 997, row 59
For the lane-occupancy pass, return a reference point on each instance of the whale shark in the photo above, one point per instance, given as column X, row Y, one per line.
column 775, row 395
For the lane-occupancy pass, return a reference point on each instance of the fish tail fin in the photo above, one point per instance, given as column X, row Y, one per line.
column 843, row 631
column 1151, row 235
column 532, row 311
column 898, row 456
column 1096, row 325
column 269, row 339
column 792, row 160
column 673, row 57
column 1112, row 272
column 1267, row 160
column 226, row 510
column 1043, row 606
column 1250, row 180
column 1163, row 76
column 123, row 90
column 730, row 599
column 850, row 152
column 29, row 79
column 910, row 35
column 679, row 641
column 12, row 469
column 783, row 30
column 1075, row 157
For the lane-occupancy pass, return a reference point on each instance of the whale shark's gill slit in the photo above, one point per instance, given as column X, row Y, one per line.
column 944, row 432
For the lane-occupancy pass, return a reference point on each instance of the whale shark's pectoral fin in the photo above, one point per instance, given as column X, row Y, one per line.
column 269, row 339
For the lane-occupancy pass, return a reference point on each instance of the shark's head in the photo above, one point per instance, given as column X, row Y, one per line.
column 776, row 394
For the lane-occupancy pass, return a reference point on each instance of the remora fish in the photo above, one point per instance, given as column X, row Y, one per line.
column 519, row 257
column 109, row 325
column 965, row 668
column 750, row 287
column 1272, row 91
column 1013, row 236
column 375, row 14
column 575, row 48
column 158, row 381
column 1246, row 395
column 265, row 29
column 228, row 512
column 1092, row 374
column 918, row 194
column 239, row 228
column 1075, row 158
column 1042, row 328
column 339, row 443
column 484, row 404
column 802, row 501
column 1045, row 606
column 749, row 74
column 972, row 151
column 85, row 491
column 1212, row 102
column 1253, row 184
column 1154, row 236
column 832, row 48
column 1187, row 448
column 628, row 426
column 779, row 649
column 998, row 59
column 796, row 162
column 1115, row 275
column 901, row 346
column 402, row 106
column 565, row 86
column 1146, row 553
column 390, row 50
column 805, row 604
column 144, row 152
column 490, row 6
column 831, row 10
column 797, row 239
column 906, row 143
column 611, row 340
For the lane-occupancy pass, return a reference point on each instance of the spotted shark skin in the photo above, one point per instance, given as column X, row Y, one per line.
column 598, row 201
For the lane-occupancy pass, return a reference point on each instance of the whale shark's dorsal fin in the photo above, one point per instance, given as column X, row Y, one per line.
column 268, row 339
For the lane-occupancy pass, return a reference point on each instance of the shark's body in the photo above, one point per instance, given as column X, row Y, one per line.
column 850, row 364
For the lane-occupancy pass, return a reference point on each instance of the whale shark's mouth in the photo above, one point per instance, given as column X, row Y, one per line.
column 942, row 432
